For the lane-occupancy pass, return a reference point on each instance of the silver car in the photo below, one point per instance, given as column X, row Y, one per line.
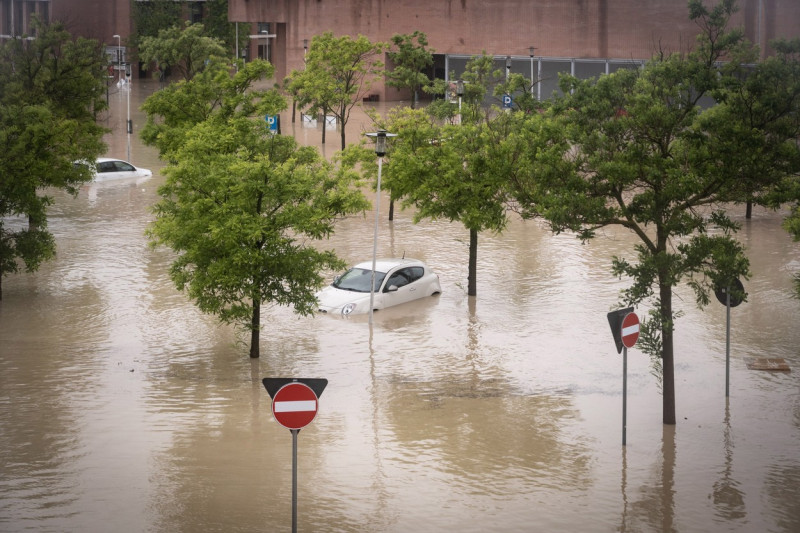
column 397, row 281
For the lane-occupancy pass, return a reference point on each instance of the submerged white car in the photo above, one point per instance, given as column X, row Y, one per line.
column 397, row 281
column 106, row 168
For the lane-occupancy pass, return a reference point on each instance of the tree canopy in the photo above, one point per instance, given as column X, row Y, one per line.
column 411, row 61
column 338, row 74
column 240, row 206
column 644, row 154
column 459, row 172
column 51, row 89
column 187, row 50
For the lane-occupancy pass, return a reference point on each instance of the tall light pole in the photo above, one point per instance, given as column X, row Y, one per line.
column 460, row 93
column 508, row 67
column 380, row 150
column 129, row 124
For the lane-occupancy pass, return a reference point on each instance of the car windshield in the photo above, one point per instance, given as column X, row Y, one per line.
column 357, row 280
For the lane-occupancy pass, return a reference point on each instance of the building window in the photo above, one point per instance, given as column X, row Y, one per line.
column 196, row 13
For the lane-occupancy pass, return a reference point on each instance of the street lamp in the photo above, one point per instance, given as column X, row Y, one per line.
column 508, row 67
column 460, row 93
column 380, row 150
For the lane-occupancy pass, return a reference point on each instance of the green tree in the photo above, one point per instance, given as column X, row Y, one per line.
column 217, row 25
column 458, row 172
column 149, row 18
column 51, row 88
column 411, row 61
column 187, row 50
column 242, row 207
column 647, row 157
column 338, row 73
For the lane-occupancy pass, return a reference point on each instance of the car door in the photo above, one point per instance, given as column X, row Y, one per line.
column 406, row 290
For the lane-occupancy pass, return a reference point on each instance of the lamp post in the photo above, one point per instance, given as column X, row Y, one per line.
column 531, row 49
column 380, row 150
column 128, row 123
column 460, row 93
column 508, row 67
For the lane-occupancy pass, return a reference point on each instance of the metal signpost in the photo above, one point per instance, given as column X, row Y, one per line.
column 729, row 296
column 295, row 402
column 625, row 329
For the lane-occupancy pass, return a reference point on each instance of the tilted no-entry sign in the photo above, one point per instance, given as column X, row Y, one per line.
column 630, row 330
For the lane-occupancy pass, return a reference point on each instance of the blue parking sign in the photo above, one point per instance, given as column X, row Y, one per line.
column 507, row 101
column 273, row 123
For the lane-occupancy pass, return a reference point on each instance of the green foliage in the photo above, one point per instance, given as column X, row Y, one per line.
column 411, row 60
column 646, row 156
column 462, row 173
column 51, row 88
column 187, row 50
column 241, row 207
column 149, row 18
column 338, row 74
column 175, row 109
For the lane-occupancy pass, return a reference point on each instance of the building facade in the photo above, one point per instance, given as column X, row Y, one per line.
column 541, row 37
column 586, row 37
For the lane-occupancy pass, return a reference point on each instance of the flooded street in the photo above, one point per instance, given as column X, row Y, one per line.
column 123, row 408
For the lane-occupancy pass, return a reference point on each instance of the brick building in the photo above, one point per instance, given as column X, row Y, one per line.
column 586, row 37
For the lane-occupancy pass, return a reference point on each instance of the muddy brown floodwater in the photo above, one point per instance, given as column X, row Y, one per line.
column 123, row 408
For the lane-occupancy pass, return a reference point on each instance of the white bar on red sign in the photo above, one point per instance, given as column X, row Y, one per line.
column 630, row 330
column 294, row 407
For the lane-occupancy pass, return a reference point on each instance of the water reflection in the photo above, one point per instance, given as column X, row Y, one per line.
column 121, row 404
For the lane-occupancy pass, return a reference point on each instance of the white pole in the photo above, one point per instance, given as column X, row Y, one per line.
column 375, row 239
column 129, row 126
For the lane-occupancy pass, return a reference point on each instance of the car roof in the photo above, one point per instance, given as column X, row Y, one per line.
column 386, row 264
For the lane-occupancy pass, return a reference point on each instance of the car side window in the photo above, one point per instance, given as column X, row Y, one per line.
column 106, row 166
column 399, row 279
column 124, row 167
column 415, row 273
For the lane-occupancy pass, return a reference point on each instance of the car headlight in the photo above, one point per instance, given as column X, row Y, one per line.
column 349, row 308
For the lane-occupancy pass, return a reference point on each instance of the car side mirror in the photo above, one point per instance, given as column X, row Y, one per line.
column 391, row 288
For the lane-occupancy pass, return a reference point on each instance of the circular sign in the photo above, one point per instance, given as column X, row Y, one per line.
column 630, row 330
column 736, row 293
column 294, row 406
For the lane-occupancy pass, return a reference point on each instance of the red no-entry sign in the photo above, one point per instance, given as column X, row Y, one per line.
column 295, row 405
column 630, row 330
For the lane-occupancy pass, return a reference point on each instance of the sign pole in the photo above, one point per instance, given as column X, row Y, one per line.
column 723, row 294
column 294, row 405
column 624, row 393
column 727, row 342
column 294, row 479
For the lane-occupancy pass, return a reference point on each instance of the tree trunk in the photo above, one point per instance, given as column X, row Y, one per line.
column 391, row 209
column 255, row 328
column 294, row 109
column 749, row 210
column 341, row 125
column 472, row 289
column 667, row 352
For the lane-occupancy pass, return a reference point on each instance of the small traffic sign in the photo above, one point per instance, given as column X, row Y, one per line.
column 507, row 101
column 273, row 123
column 630, row 330
column 295, row 405
column 732, row 295
column 615, row 321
